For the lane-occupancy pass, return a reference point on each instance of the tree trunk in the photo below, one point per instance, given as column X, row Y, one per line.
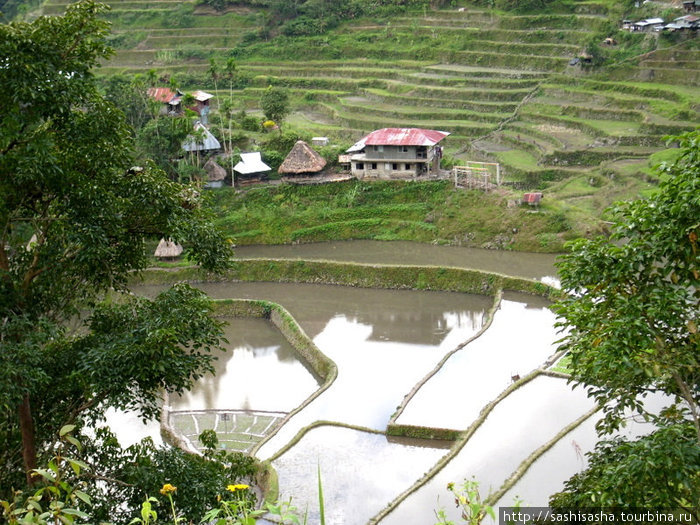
column 26, row 424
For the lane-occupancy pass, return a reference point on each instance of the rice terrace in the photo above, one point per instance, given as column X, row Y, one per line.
column 398, row 338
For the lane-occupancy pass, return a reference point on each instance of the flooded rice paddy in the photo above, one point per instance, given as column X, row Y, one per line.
column 385, row 342
column 538, row 266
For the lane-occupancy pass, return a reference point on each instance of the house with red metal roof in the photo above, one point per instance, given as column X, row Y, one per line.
column 170, row 100
column 397, row 153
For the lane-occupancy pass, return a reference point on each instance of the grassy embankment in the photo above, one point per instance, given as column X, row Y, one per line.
column 425, row 211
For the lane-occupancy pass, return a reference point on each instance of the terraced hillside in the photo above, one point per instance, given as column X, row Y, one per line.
column 501, row 84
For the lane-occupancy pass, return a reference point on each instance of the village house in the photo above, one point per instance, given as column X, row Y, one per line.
column 216, row 175
column 397, row 153
column 251, row 168
column 691, row 6
column 684, row 23
column 301, row 163
column 172, row 102
column 201, row 105
column 201, row 140
column 649, row 24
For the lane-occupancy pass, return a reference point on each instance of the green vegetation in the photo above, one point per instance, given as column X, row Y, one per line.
column 632, row 312
column 360, row 275
column 74, row 216
column 425, row 211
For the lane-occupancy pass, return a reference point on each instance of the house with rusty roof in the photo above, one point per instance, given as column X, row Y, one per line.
column 397, row 153
column 172, row 102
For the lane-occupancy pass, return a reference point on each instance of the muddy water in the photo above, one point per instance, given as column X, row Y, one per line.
column 360, row 472
column 520, row 338
column 521, row 423
column 519, row 264
column 256, row 350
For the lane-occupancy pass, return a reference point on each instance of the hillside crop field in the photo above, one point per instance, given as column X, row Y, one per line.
column 500, row 82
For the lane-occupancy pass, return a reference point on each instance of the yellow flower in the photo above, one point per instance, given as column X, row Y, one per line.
column 167, row 489
column 234, row 488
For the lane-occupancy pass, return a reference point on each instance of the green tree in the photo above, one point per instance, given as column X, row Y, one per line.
column 74, row 215
column 632, row 314
column 275, row 104
column 130, row 96
column 160, row 140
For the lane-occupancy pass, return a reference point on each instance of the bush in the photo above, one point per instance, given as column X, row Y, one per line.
column 273, row 159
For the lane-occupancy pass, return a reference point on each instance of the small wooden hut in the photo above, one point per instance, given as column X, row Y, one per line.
column 301, row 163
column 251, row 168
column 215, row 174
column 167, row 250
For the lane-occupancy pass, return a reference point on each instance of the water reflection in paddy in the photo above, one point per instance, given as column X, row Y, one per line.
column 567, row 457
column 383, row 341
column 538, row 266
column 520, row 338
column 361, row 472
column 258, row 357
column 521, row 423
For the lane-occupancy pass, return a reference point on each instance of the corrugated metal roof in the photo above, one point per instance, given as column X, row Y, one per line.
column 161, row 94
column 532, row 198
column 202, row 96
column 251, row 163
column 206, row 142
column 400, row 137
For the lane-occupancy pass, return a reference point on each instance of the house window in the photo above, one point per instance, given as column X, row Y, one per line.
column 404, row 149
column 394, row 166
column 378, row 148
column 408, row 166
column 360, row 166
column 374, row 165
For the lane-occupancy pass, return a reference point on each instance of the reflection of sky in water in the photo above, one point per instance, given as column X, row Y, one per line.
column 259, row 371
column 521, row 423
column 374, row 375
column 360, row 472
column 520, row 339
column 567, row 457
column 129, row 428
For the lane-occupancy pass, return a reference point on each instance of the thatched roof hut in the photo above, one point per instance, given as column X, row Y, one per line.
column 215, row 174
column 167, row 250
column 302, row 160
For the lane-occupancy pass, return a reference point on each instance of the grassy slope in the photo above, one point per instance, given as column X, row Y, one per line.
column 423, row 211
column 499, row 82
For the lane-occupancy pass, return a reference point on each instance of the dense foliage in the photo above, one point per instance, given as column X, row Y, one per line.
column 143, row 468
column 74, row 215
column 633, row 312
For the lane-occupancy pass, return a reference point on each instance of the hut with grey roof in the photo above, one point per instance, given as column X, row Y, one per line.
column 167, row 250
column 301, row 163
